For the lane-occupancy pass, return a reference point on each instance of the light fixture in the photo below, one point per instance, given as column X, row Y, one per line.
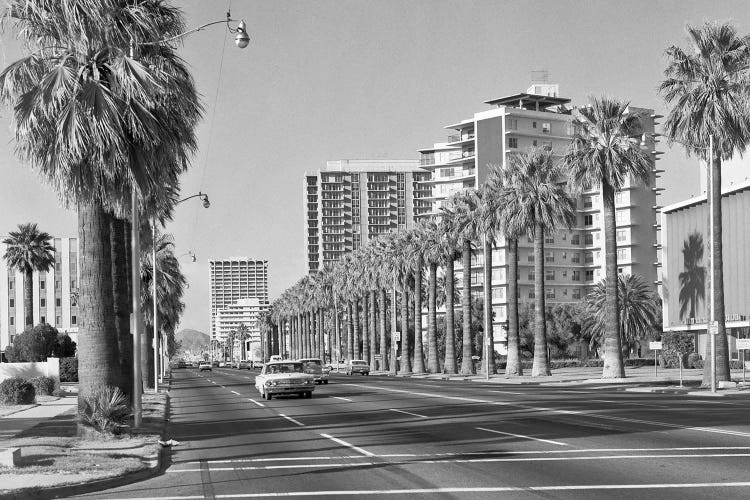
column 242, row 39
column 206, row 203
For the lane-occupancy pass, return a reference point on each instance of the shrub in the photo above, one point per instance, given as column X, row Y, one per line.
column 105, row 410
column 69, row 370
column 44, row 386
column 35, row 344
column 692, row 358
column 16, row 391
column 698, row 363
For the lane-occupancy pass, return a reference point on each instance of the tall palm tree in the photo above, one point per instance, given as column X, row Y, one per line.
column 606, row 151
column 93, row 121
column 29, row 250
column 464, row 210
column 450, row 246
column 539, row 204
column 708, row 87
column 416, row 263
column 496, row 187
column 433, row 256
column 639, row 310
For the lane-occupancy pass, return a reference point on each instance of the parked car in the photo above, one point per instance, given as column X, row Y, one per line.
column 337, row 366
column 222, row 364
column 204, row 365
column 215, row 364
column 245, row 364
column 275, row 357
column 358, row 366
column 180, row 364
column 314, row 367
column 284, row 377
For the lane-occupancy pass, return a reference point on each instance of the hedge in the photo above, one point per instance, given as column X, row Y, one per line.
column 69, row 370
column 16, row 391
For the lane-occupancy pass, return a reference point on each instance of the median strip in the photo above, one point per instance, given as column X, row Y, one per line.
column 521, row 436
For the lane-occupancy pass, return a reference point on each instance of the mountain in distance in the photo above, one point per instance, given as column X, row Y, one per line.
column 191, row 340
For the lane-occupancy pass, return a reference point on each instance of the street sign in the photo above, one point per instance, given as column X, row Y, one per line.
column 397, row 336
column 654, row 345
column 713, row 328
column 743, row 344
column 475, row 358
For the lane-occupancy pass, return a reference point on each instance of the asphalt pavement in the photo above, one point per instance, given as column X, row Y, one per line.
column 417, row 438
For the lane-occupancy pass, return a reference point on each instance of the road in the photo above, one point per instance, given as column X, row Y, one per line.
column 415, row 438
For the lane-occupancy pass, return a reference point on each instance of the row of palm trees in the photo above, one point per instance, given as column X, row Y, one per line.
column 532, row 195
column 97, row 119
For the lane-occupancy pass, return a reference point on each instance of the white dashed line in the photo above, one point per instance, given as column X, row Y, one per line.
column 342, row 399
column 409, row 413
column 292, row 420
column 256, row 402
column 508, row 392
column 235, row 392
column 521, row 436
column 348, row 445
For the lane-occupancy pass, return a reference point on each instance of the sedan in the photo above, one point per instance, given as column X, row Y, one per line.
column 358, row 366
column 204, row 365
column 284, row 377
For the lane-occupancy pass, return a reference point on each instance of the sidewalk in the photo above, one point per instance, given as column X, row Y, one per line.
column 15, row 424
column 665, row 380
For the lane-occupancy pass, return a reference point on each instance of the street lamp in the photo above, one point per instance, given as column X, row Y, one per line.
column 711, row 208
column 202, row 196
column 190, row 254
column 242, row 39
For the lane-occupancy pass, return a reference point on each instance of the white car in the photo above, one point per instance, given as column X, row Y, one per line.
column 284, row 377
column 204, row 365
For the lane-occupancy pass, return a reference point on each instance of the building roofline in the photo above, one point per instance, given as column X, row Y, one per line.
column 697, row 200
column 543, row 100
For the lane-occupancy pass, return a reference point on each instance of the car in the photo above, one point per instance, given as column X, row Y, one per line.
column 314, row 367
column 338, row 366
column 284, row 377
column 180, row 364
column 204, row 365
column 357, row 366
column 275, row 357
column 215, row 364
column 245, row 364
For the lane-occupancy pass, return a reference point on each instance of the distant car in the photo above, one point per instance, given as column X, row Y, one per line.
column 215, row 364
column 180, row 364
column 314, row 367
column 245, row 364
column 275, row 357
column 284, row 377
column 204, row 365
column 358, row 366
column 338, row 366
column 222, row 364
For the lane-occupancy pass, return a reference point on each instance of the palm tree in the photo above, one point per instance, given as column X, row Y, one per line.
column 433, row 256
column 639, row 310
column 708, row 85
column 496, row 186
column 29, row 250
column 416, row 263
column 464, row 210
column 93, row 122
column 538, row 204
column 606, row 151
column 450, row 246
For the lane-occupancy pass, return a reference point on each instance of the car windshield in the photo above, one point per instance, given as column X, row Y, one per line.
column 358, row 363
column 284, row 368
column 311, row 364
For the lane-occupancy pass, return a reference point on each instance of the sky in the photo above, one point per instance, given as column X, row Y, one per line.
column 353, row 79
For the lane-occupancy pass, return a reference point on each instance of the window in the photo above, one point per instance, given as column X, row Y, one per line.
column 42, row 303
column 499, row 313
column 530, row 258
column 58, row 302
column 58, row 321
column 588, row 257
column 534, row 142
column 533, row 124
column 498, row 275
column 588, row 220
column 588, row 239
column 11, row 302
column 619, row 197
column 565, row 292
column 512, row 142
column 549, row 239
column 565, row 273
column 588, row 202
column 513, row 123
column 42, row 319
column 73, row 320
column 547, row 145
column 621, row 235
column 549, row 293
column 498, row 294
column 576, row 258
column 531, row 294
column 531, row 275
column 12, row 321
column 621, row 215
column 72, row 284
column 576, row 293
column 575, row 239
column 589, row 275
column 549, row 256
column 41, row 285
column 565, row 255
column 546, row 128
column 576, row 275
column 549, row 274
column 623, row 254
column 10, row 285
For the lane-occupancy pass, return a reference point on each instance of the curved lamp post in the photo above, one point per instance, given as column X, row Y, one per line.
column 241, row 39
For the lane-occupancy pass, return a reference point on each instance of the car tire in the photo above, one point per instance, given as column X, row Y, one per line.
column 325, row 382
column 309, row 394
column 268, row 396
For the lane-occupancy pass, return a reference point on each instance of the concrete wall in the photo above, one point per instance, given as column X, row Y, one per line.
column 49, row 368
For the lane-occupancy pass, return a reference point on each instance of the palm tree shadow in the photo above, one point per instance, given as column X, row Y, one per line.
column 693, row 278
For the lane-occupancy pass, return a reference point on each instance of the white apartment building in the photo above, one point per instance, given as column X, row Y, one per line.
column 53, row 303
column 574, row 260
column 234, row 279
column 353, row 201
column 242, row 312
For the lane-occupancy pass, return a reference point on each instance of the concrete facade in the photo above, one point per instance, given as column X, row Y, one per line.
column 234, row 279
column 243, row 311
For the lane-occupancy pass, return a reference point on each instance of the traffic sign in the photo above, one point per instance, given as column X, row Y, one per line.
column 397, row 336
column 713, row 328
column 654, row 345
column 743, row 344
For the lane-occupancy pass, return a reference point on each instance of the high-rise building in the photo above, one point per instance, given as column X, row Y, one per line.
column 54, row 294
column 234, row 279
column 354, row 201
column 242, row 312
column 574, row 260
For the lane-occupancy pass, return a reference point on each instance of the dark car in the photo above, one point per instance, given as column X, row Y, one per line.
column 245, row 364
column 180, row 364
column 358, row 366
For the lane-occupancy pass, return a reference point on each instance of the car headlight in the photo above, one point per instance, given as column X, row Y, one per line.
column 268, row 383
column 274, row 383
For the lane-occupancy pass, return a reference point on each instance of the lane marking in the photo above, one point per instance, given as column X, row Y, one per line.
column 235, row 392
column 256, row 402
column 212, row 382
column 456, row 461
column 522, row 436
column 247, row 378
column 562, row 412
column 348, row 445
column 508, row 392
column 627, row 403
column 342, row 399
column 409, row 413
column 292, row 420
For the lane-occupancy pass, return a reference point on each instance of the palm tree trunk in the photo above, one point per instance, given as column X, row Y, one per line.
column 321, row 335
column 28, row 298
column 717, row 278
column 356, row 330
column 488, row 361
column 383, row 365
column 450, row 352
column 418, row 351
column 541, row 363
column 121, row 300
column 405, row 361
column 393, row 367
column 337, row 320
column 513, row 366
column 613, row 365
column 467, row 364
column 349, row 331
column 98, row 354
column 366, row 326
column 373, row 330
column 432, row 355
